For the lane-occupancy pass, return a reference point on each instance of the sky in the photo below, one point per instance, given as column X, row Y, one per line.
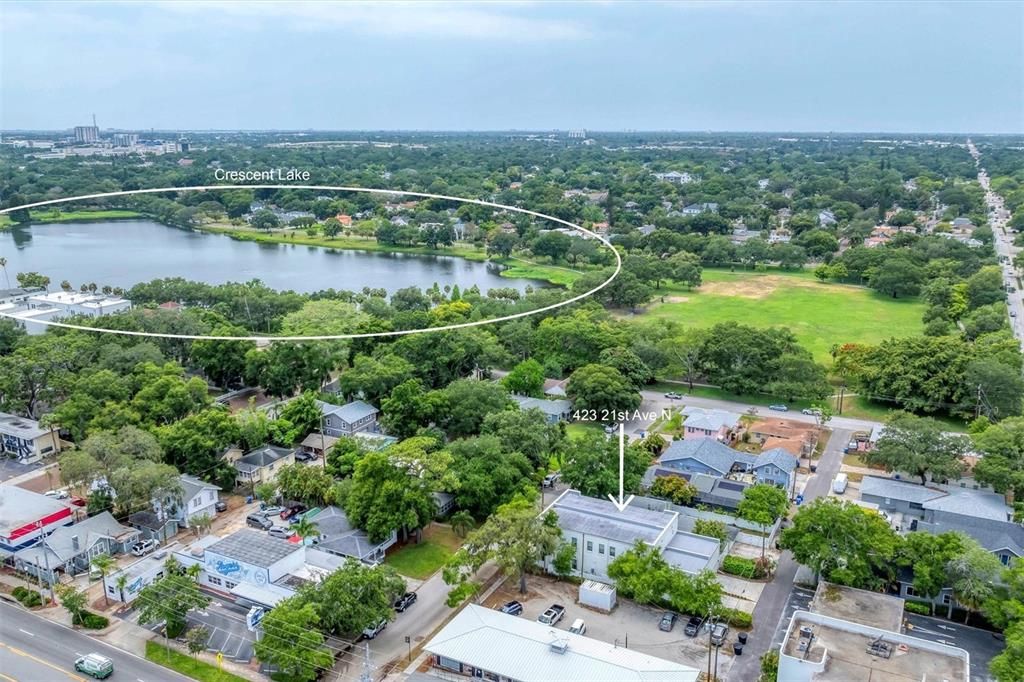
column 688, row 66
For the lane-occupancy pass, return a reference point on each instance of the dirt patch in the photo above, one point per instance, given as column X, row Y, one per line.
column 676, row 299
column 754, row 287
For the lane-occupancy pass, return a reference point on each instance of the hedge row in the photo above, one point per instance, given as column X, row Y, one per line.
column 918, row 607
column 28, row 598
column 737, row 565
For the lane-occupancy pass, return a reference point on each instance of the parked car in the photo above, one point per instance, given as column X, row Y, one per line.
column 303, row 456
column 552, row 615
column 270, row 510
column 144, row 547
column 693, row 626
column 258, row 521
column 668, row 621
column 374, row 630
column 58, row 494
column 779, row 408
column 221, row 506
column 813, row 411
column 78, row 501
column 839, row 483
column 513, row 608
column 718, row 633
column 405, row 601
column 578, row 627
column 95, row 665
column 551, row 479
column 292, row 510
column 673, row 396
column 280, row 532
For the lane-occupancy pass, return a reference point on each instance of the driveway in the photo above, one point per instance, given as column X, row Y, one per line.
column 981, row 644
column 774, row 606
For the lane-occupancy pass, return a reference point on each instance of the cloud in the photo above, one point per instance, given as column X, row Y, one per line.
column 477, row 21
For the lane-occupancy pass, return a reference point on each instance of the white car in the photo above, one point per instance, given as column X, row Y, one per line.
column 144, row 547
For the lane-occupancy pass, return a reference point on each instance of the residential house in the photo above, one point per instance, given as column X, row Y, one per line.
column 780, row 236
column 697, row 209
column 197, row 498
column 26, row 440
column 910, row 498
column 712, row 491
column 675, row 177
column 798, row 438
column 763, row 183
column 717, row 424
column 709, row 456
column 260, row 465
column 555, row 388
column 70, row 549
column 339, row 537
column 26, row 516
column 962, row 223
column 826, row 218
column 318, row 444
column 486, row 644
column 599, row 532
column 646, row 230
column 348, row 419
column 554, row 410
column 345, row 220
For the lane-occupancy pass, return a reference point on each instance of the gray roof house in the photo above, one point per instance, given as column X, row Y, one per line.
column 339, row 537
column 924, row 501
column 697, row 209
column 708, row 456
column 345, row 420
column 711, row 490
column 260, row 465
column 197, row 498
column 72, row 548
column 555, row 410
column 1005, row 539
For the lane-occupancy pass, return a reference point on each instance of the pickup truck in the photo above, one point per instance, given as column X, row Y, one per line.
column 552, row 615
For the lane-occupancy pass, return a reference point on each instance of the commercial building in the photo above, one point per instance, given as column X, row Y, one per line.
column 856, row 635
column 24, row 439
column 38, row 309
column 26, row 516
column 126, row 139
column 481, row 643
column 599, row 533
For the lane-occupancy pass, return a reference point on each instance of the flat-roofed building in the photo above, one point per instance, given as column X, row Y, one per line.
column 481, row 643
column 25, row 439
column 820, row 648
column 599, row 533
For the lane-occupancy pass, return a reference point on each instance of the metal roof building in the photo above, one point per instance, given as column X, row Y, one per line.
column 516, row 648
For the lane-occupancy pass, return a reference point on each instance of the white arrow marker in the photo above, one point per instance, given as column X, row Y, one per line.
column 619, row 504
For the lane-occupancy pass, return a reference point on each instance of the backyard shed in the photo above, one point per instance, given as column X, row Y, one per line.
column 597, row 595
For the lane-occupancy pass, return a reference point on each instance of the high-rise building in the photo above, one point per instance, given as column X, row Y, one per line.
column 87, row 134
column 126, row 139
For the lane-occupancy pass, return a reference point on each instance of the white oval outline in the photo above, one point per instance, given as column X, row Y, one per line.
column 333, row 188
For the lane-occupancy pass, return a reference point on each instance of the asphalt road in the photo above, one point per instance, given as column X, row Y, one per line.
column 772, row 608
column 33, row 649
column 980, row 644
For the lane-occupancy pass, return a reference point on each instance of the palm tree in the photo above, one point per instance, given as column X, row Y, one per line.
column 104, row 563
column 193, row 571
column 201, row 523
column 3, row 266
column 65, row 285
column 121, row 583
column 305, row 529
column 461, row 522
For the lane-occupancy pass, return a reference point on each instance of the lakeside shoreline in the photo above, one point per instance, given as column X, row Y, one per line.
column 512, row 267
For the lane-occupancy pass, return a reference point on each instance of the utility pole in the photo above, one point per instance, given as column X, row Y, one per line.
column 977, row 407
column 842, row 394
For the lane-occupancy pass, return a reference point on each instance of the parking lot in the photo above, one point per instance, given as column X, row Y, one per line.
column 629, row 625
column 226, row 624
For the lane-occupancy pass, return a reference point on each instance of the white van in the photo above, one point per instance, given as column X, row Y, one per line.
column 578, row 627
column 839, row 483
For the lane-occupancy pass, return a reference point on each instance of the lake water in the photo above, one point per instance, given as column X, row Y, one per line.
column 125, row 252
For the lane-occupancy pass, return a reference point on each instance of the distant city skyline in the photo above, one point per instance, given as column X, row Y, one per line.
column 611, row 67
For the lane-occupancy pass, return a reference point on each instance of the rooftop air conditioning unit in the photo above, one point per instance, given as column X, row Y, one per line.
column 559, row 646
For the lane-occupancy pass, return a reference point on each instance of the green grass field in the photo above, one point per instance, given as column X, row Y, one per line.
column 423, row 559
column 186, row 665
column 819, row 314
column 56, row 216
column 517, row 269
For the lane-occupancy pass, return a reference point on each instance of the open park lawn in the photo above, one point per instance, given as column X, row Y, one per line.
column 819, row 314
column 421, row 560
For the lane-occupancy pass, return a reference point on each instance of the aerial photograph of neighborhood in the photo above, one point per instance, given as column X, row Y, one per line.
column 567, row 341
